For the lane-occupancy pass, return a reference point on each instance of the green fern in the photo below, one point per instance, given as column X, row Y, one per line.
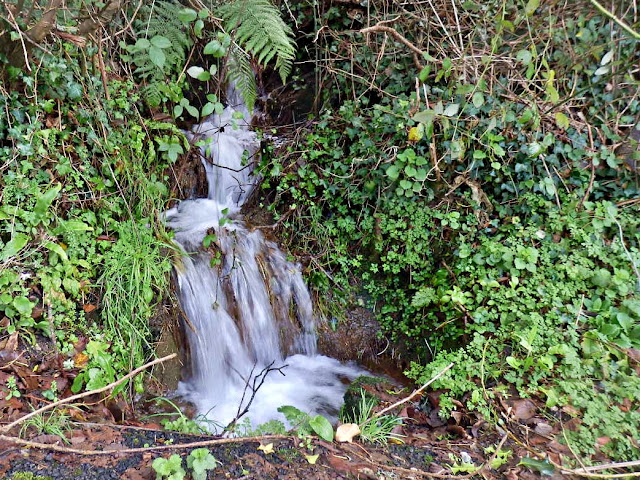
column 241, row 73
column 261, row 32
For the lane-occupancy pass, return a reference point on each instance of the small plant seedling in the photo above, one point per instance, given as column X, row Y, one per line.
column 200, row 461
column 169, row 468
column 12, row 386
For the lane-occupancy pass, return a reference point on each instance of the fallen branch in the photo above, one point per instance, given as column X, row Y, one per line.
column 203, row 443
column 8, row 427
column 415, row 392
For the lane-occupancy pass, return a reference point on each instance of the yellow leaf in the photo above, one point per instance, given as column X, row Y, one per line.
column 562, row 120
column 416, row 133
column 267, row 449
column 312, row 459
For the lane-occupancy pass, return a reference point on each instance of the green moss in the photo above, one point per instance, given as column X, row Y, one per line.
column 26, row 476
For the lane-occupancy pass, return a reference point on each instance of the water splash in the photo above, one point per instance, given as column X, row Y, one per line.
column 247, row 306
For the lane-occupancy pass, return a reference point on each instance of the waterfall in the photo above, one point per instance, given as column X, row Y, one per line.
column 247, row 306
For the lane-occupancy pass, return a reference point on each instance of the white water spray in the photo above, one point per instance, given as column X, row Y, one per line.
column 248, row 308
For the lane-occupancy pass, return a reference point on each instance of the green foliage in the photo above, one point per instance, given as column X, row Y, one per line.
column 169, row 468
column 373, row 429
column 27, row 476
column 484, row 223
column 134, row 269
column 200, row 461
column 258, row 27
column 241, row 73
column 82, row 182
column 304, row 424
column 53, row 422
column 161, row 49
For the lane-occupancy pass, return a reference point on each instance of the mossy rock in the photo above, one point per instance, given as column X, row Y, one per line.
column 362, row 385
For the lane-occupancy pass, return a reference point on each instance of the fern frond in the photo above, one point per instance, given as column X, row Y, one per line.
column 261, row 31
column 241, row 74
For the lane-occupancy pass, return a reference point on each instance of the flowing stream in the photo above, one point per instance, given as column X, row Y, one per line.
column 247, row 306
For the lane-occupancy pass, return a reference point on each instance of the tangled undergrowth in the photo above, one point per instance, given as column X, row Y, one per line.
column 472, row 173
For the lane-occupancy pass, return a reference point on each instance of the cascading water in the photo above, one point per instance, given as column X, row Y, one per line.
column 248, row 308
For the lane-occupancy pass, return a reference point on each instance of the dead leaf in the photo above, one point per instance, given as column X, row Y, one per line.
column 88, row 308
column 12, row 343
column 80, row 360
column 346, row 432
column 267, row 449
column 543, row 429
column 523, row 409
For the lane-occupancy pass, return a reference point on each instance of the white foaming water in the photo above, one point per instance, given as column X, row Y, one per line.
column 252, row 310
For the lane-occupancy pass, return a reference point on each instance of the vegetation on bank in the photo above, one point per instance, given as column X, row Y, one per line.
column 471, row 174
column 482, row 195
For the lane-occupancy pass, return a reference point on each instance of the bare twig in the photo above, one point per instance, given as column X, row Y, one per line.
column 415, row 392
column 257, row 383
column 394, row 33
column 8, row 427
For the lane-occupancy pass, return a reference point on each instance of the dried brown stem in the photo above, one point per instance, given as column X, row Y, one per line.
column 8, row 427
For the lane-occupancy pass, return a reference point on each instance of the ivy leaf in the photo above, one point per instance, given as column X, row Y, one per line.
column 74, row 91
column 322, row 427
column 478, row 99
column 451, row 110
column 215, row 48
column 425, row 116
column 187, row 15
column 157, row 56
column 160, row 41
column 198, row 73
column 393, row 172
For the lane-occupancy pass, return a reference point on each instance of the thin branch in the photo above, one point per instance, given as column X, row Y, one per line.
column 258, row 381
column 415, row 392
column 394, row 33
column 8, row 427
column 619, row 21
column 202, row 443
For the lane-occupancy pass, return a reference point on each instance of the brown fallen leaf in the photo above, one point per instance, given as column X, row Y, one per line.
column 346, row 432
column 523, row 409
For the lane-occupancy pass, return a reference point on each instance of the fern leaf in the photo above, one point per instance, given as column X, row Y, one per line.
column 261, row 31
column 241, row 73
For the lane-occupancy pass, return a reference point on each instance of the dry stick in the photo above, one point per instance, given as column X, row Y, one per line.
column 7, row 428
column 415, row 392
column 393, row 32
column 202, row 443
